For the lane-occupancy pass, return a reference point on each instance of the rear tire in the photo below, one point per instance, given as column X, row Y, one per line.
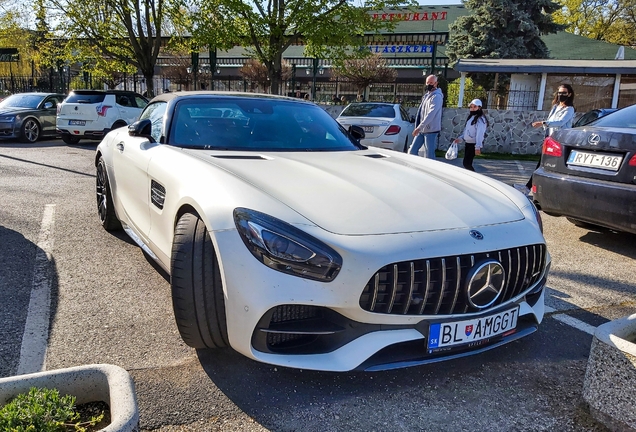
column 197, row 290
column 105, row 208
column 70, row 139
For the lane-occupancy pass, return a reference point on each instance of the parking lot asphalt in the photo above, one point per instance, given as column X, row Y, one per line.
column 109, row 304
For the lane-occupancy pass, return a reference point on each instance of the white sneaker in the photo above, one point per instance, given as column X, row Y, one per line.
column 521, row 188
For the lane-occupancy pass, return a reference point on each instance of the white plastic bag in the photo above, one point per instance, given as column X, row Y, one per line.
column 451, row 153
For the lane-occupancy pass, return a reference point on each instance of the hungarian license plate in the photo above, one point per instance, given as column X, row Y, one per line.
column 368, row 129
column 471, row 331
column 77, row 122
column 595, row 160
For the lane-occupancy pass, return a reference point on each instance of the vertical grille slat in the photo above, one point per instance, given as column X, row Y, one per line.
column 436, row 286
column 428, row 287
column 442, row 288
column 407, row 304
column 376, row 288
column 394, row 288
column 458, row 280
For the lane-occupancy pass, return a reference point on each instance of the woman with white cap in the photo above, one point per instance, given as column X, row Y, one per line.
column 474, row 132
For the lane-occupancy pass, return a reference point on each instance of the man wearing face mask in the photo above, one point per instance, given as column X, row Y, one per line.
column 428, row 120
column 561, row 116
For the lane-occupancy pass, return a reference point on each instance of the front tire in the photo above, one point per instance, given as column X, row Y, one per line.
column 105, row 208
column 197, row 290
column 30, row 131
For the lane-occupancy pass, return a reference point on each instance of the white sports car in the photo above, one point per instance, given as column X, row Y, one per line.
column 291, row 243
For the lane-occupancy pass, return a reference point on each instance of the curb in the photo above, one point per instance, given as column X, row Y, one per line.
column 610, row 378
column 90, row 383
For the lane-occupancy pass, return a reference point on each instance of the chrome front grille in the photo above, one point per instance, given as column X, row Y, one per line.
column 436, row 286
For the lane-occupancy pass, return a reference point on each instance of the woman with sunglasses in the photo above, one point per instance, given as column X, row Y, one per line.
column 561, row 116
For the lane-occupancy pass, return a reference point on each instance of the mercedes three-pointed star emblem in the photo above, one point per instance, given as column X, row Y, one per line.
column 485, row 284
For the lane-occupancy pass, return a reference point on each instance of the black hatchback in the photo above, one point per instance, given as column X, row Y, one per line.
column 588, row 173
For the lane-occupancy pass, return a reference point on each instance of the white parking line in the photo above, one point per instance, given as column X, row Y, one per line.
column 577, row 324
column 520, row 167
column 36, row 328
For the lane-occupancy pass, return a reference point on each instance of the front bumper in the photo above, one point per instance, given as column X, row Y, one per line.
column 599, row 202
column 341, row 335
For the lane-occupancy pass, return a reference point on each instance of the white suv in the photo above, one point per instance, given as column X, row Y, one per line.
column 91, row 114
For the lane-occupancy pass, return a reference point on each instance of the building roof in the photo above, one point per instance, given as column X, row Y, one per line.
column 546, row 66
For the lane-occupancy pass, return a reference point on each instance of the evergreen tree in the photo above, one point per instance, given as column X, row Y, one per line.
column 503, row 29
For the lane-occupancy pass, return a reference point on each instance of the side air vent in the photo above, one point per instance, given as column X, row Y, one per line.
column 157, row 194
column 246, row 157
column 376, row 156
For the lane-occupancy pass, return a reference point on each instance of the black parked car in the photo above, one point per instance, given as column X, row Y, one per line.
column 29, row 116
column 588, row 174
column 592, row 115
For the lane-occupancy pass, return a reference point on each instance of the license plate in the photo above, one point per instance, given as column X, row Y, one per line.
column 77, row 122
column 604, row 161
column 471, row 331
column 368, row 129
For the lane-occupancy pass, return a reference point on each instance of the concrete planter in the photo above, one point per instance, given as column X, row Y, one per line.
column 90, row 383
column 610, row 378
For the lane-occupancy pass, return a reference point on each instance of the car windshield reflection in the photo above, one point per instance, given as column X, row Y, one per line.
column 217, row 123
column 21, row 101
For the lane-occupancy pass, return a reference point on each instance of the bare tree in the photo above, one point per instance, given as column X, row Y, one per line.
column 363, row 71
column 255, row 71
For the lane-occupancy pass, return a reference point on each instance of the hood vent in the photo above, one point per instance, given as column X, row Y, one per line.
column 376, row 156
column 239, row 157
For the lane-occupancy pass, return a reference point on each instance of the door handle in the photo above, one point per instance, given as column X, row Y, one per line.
column 120, row 146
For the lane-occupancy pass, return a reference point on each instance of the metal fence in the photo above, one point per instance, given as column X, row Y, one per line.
column 408, row 94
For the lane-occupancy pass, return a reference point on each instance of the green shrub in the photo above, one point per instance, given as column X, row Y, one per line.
column 42, row 410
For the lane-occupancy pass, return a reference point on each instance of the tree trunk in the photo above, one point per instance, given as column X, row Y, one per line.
column 150, row 84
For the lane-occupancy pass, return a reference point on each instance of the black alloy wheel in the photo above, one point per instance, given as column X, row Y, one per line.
column 197, row 290
column 30, row 131
column 105, row 210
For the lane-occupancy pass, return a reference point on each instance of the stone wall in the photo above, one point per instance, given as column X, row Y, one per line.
column 509, row 131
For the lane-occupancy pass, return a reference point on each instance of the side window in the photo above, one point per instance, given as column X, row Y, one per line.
column 141, row 102
column 155, row 113
column 123, row 100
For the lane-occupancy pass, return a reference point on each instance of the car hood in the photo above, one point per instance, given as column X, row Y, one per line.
column 13, row 110
column 365, row 192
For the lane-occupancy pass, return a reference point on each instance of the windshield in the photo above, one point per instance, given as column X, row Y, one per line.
column 623, row 118
column 256, row 124
column 22, row 101
column 369, row 110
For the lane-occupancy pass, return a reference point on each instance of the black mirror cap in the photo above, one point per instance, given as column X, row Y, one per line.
column 141, row 128
column 357, row 132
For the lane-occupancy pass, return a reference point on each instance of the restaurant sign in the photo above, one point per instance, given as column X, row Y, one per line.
column 413, row 16
column 9, row 55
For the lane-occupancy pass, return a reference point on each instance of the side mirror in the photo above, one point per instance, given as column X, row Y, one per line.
column 357, row 132
column 141, row 128
column 48, row 105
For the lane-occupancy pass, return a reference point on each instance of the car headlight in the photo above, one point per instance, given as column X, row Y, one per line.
column 286, row 248
column 7, row 118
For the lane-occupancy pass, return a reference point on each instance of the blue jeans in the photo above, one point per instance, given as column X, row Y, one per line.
column 428, row 140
